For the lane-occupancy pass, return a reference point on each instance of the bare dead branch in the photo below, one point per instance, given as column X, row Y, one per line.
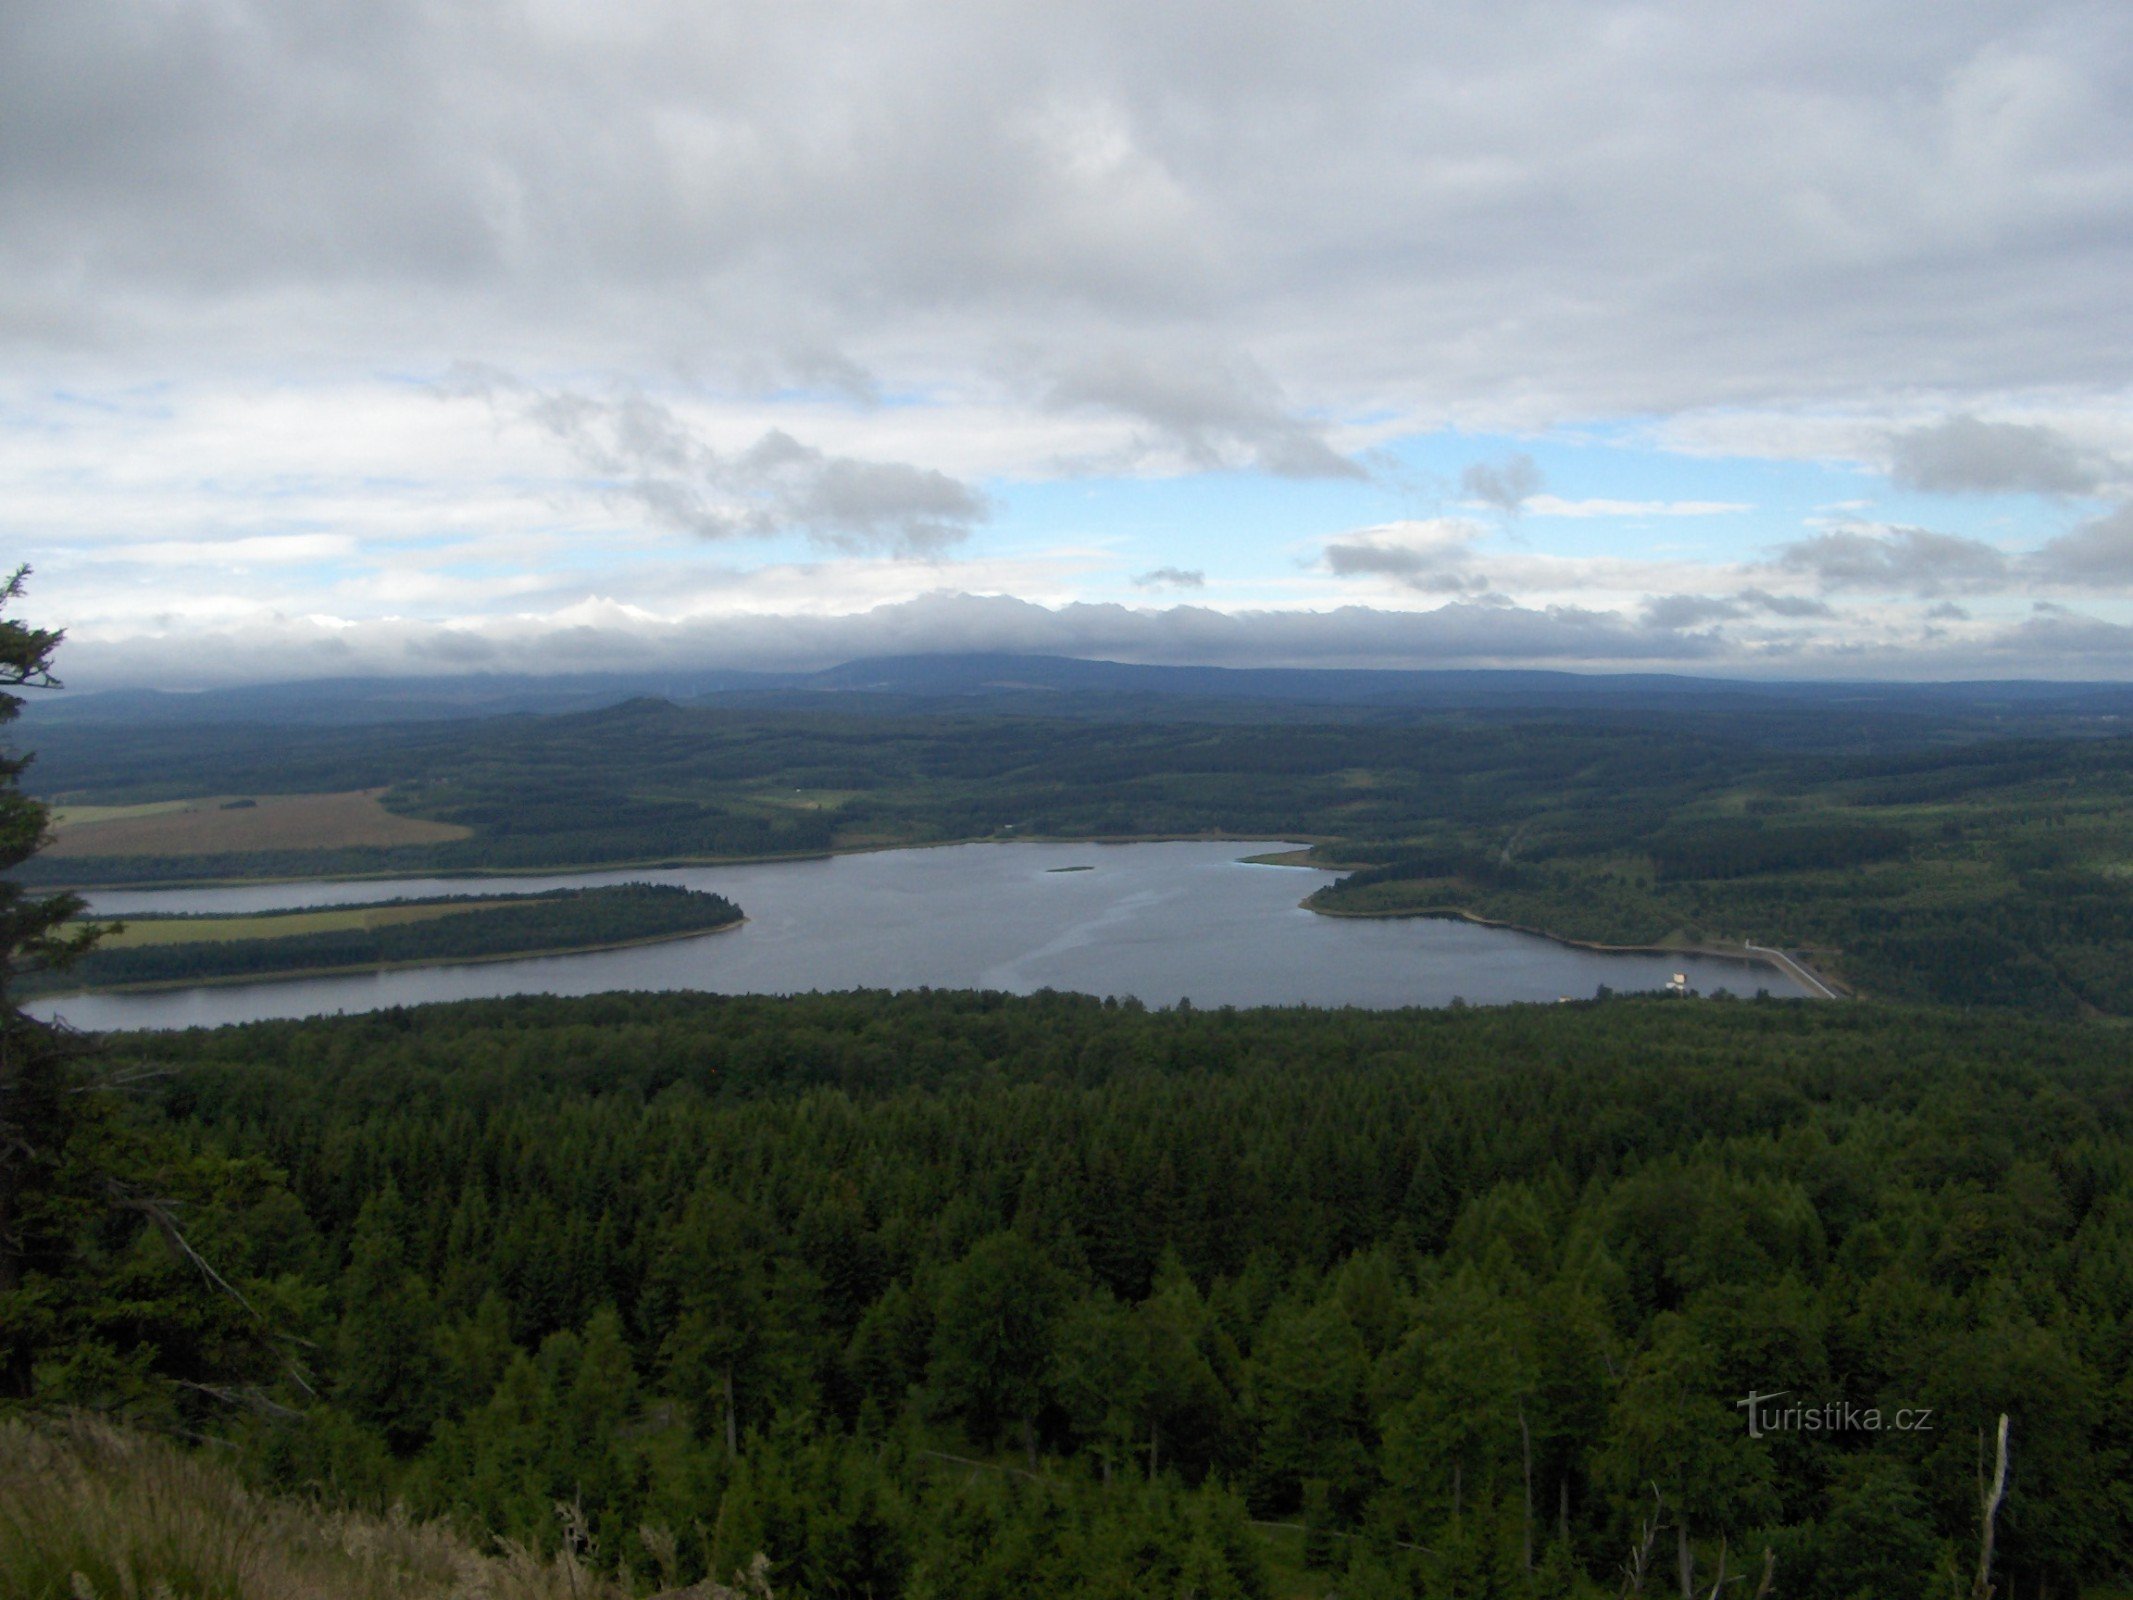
column 158, row 1214
column 1989, row 1510
column 246, row 1399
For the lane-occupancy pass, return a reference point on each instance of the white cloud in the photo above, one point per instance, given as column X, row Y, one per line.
column 1966, row 454
column 1559, row 208
column 2099, row 552
column 650, row 458
column 840, row 278
column 1433, row 557
column 1213, row 412
column 1898, row 560
column 1172, row 578
column 1505, row 486
column 600, row 631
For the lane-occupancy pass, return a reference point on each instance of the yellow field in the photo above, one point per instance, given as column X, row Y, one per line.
column 213, row 826
column 277, row 925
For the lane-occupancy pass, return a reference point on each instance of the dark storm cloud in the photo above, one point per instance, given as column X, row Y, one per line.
column 1964, row 454
column 778, row 485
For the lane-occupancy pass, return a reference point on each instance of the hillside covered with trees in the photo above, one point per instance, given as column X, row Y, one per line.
column 976, row 1295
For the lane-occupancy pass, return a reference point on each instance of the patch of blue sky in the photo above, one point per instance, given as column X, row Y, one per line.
column 1238, row 523
column 1780, row 500
column 1245, row 524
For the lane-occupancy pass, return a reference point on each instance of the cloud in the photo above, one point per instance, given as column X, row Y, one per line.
column 1946, row 611
column 2055, row 634
column 1967, row 455
column 1785, row 605
column 1172, row 578
column 603, row 635
column 1897, row 560
column 1433, row 557
column 776, row 485
column 1215, row 412
column 2097, row 552
column 1694, row 610
column 1506, row 487
column 1564, row 208
column 897, row 254
column 1688, row 610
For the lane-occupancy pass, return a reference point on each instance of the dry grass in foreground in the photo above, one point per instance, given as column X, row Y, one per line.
column 90, row 1513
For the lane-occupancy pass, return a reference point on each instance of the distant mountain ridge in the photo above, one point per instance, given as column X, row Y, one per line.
column 1028, row 682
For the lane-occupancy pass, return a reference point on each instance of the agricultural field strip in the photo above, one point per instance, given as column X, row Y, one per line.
column 278, row 924
column 215, row 823
column 85, row 816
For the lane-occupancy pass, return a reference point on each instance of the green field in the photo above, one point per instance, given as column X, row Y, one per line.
column 152, row 930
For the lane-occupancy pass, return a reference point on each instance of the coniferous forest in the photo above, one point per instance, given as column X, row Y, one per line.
column 952, row 1294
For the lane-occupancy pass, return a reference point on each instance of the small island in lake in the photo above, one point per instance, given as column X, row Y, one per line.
column 169, row 951
column 1069, row 869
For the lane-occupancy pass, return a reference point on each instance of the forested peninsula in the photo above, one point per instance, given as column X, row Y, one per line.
column 189, row 949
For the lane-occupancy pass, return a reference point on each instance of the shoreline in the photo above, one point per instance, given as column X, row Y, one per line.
column 1747, row 955
column 667, row 863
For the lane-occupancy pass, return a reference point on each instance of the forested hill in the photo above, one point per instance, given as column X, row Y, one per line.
column 1223, row 1303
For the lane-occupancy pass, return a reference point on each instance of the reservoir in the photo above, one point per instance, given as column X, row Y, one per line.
column 1161, row 922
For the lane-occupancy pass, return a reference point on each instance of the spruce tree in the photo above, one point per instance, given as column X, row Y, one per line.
column 41, row 1190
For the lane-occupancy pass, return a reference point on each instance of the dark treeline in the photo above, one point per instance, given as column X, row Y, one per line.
column 497, row 926
column 1468, row 1298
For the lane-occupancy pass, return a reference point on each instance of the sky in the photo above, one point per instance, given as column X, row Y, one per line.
column 428, row 336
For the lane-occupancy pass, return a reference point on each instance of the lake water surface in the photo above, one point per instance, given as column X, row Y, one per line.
column 1158, row 921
